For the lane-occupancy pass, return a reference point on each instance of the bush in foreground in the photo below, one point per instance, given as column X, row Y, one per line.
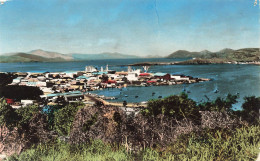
column 240, row 144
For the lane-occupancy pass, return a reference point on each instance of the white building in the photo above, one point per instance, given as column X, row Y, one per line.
column 133, row 76
column 176, row 77
column 17, row 80
column 27, row 102
column 90, row 69
column 180, row 78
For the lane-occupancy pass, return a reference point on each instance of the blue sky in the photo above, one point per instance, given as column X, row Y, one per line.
column 139, row 27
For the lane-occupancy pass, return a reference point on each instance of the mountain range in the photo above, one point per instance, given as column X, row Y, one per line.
column 246, row 54
column 47, row 56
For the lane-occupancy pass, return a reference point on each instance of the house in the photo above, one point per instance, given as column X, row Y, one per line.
column 9, row 101
column 46, row 90
column 132, row 76
column 27, row 102
column 162, row 76
column 17, row 80
column 82, row 78
column 69, row 96
column 176, row 77
column 144, row 75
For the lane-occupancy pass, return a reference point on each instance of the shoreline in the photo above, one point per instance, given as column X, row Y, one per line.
column 196, row 62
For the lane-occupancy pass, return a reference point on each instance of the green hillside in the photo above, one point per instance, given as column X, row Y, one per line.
column 246, row 54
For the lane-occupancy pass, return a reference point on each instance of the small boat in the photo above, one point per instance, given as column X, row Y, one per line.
column 160, row 97
column 126, row 95
column 136, row 96
column 216, row 91
column 153, row 93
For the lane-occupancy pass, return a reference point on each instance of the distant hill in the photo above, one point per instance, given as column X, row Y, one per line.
column 25, row 57
column 246, row 54
column 102, row 56
column 47, row 56
column 184, row 54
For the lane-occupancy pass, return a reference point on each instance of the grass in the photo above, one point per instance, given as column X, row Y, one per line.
column 218, row 145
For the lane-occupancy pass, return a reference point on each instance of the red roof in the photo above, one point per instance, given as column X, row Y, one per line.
column 111, row 81
column 9, row 101
column 144, row 74
column 151, row 81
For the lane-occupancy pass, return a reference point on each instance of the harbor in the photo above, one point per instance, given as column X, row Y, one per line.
column 77, row 86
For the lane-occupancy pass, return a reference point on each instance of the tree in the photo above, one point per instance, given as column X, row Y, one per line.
column 220, row 104
column 178, row 107
column 21, row 92
column 6, row 78
column 64, row 118
column 25, row 114
column 251, row 110
column 61, row 100
column 8, row 116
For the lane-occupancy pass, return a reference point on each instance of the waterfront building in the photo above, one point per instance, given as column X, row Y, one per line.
column 27, row 102
column 17, row 80
column 90, row 69
column 162, row 76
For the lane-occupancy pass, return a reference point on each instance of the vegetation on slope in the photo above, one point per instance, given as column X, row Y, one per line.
column 218, row 144
column 152, row 127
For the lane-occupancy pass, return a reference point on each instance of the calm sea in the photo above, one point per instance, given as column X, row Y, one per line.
column 227, row 78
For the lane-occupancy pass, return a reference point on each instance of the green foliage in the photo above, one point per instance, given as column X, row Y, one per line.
column 64, row 117
column 60, row 151
column 25, row 114
column 175, row 106
column 251, row 110
column 220, row 104
column 8, row 116
column 215, row 144
column 19, row 118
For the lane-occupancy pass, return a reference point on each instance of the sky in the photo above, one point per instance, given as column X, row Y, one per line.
column 137, row 27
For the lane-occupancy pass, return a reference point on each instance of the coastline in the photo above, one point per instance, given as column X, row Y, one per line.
column 196, row 62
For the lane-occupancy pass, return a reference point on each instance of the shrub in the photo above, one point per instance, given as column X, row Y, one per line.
column 217, row 144
column 219, row 104
column 64, row 117
column 175, row 106
column 8, row 116
column 25, row 114
column 251, row 110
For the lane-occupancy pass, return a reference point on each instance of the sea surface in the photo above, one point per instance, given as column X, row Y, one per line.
column 226, row 78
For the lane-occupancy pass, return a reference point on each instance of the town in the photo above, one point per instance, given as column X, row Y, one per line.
column 76, row 86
